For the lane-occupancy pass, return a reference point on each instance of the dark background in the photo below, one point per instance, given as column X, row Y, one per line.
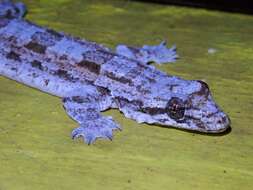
column 242, row 6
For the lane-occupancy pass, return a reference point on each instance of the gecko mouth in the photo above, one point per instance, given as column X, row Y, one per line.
column 216, row 130
column 217, row 124
column 221, row 125
column 226, row 128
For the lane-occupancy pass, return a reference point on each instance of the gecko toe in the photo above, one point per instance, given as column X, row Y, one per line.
column 89, row 139
column 77, row 133
column 108, row 134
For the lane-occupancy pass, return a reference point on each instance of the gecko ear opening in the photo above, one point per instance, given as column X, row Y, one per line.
column 21, row 9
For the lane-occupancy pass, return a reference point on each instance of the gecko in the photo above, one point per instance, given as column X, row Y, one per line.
column 91, row 78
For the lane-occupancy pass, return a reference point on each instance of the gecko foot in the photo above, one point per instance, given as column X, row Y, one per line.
column 159, row 54
column 100, row 128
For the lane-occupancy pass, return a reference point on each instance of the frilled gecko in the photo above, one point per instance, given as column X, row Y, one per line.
column 90, row 78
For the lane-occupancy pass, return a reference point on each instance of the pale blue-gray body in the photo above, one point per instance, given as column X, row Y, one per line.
column 91, row 78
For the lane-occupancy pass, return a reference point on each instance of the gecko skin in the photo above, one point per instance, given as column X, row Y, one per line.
column 90, row 78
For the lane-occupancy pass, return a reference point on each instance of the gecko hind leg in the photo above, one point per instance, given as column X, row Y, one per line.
column 146, row 54
column 92, row 124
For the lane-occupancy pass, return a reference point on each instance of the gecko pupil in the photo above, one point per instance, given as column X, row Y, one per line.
column 176, row 108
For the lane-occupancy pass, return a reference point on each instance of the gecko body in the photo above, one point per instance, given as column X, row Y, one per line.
column 90, row 78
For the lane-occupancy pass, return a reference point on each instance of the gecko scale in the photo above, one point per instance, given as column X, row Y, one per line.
column 90, row 78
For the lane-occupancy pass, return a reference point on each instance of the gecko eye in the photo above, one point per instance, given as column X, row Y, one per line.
column 176, row 108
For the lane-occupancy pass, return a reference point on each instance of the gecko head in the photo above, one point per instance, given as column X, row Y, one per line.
column 192, row 110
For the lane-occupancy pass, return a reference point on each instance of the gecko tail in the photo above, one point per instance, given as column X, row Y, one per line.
column 11, row 10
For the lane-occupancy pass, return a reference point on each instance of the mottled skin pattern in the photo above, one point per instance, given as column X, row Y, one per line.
column 90, row 78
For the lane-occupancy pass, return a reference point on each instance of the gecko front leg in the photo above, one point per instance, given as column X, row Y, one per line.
column 86, row 111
